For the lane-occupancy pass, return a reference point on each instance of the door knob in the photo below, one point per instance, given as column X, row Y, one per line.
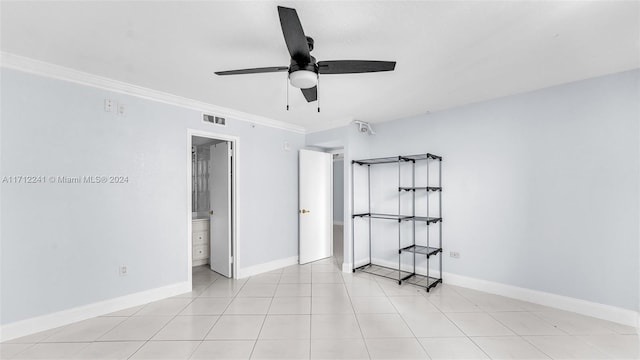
column 304, row 211
column 210, row 212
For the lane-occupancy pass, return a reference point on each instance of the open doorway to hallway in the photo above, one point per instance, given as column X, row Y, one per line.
column 338, row 206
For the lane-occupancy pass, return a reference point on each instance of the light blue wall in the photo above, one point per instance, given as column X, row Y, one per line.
column 542, row 189
column 338, row 191
column 62, row 244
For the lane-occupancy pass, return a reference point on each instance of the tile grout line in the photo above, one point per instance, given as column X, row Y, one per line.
column 167, row 323
column 519, row 336
column 310, row 308
column 219, row 316
column 255, row 343
column 404, row 321
column 366, row 347
column 156, row 333
column 505, row 325
column 456, row 325
column 175, row 316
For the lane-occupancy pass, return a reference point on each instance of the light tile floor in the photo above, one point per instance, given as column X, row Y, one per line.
column 315, row 311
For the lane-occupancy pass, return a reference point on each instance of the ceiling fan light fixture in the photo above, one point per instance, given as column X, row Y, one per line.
column 303, row 79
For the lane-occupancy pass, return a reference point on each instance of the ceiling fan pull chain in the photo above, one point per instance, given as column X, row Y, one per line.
column 318, row 92
column 287, row 91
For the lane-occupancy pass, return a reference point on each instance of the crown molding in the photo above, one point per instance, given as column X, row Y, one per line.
column 320, row 127
column 41, row 68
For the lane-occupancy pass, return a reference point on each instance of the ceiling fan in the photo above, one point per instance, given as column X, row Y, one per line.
column 303, row 69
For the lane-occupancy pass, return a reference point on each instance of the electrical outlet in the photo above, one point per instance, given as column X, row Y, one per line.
column 108, row 105
column 123, row 270
column 454, row 254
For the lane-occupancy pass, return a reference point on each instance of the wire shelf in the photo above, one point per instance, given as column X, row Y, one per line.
column 428, row 220
column 383, row 216
column 385, row 272
column 423, row 281
column 423, row 250
column 426, row 156
column 384, row 160
column 414, row 188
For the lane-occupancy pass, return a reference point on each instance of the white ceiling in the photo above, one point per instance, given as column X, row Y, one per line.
column 448, row 53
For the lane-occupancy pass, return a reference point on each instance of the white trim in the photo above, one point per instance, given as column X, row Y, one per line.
column 584, row 307
column 265, row 267
column 330, row 180
column 324, row 126
column 234, row 195
column 347, row 267
column 37, row 67
column 45, row 322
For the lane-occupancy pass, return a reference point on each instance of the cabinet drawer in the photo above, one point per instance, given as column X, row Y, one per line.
column 200, row 237
column 200, row 252
column 200, row 225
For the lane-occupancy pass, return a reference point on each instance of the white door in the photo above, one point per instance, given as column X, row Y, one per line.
column 220, row 213
column 315, row 212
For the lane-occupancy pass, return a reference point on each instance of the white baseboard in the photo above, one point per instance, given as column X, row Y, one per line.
column 65, row 317
column 584, row 307
column 361, row 262
column 265, row 267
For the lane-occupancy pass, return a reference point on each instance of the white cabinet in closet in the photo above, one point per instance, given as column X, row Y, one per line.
column 200, row 241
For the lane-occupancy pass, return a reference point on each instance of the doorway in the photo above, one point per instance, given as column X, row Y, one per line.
column 338, row 206
column 211, row 202
column 321, row 183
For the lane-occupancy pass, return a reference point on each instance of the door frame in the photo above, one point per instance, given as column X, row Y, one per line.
column 339, row 151
column 234, row 140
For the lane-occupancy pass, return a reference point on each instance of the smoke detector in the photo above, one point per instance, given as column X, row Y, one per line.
column 364, row 127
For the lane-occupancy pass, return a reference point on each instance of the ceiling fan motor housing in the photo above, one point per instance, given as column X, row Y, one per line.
column 310, row 42
column 297, row 66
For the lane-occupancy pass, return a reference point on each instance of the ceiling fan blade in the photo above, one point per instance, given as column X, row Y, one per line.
column 311, row 94
column 294, row 35
column 354, row 66
column 254, row 70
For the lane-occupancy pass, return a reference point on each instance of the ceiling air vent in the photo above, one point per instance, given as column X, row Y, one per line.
column 214, row 120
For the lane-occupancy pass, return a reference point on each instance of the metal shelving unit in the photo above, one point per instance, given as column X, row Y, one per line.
column 426, row 248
